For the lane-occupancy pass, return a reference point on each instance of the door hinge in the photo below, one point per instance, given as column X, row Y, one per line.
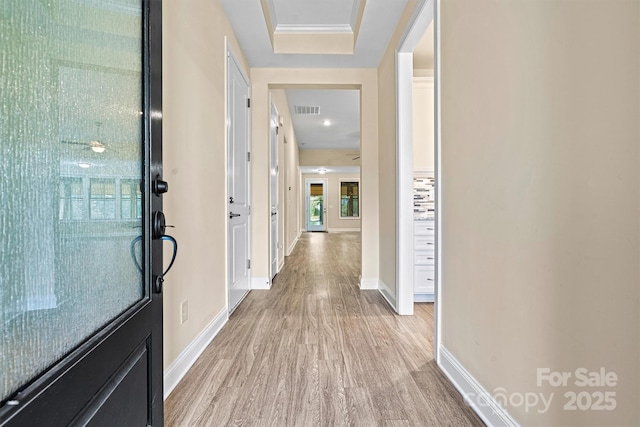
column 248, row 156
column 277, row 130
column 248, row 102
column 248, row 264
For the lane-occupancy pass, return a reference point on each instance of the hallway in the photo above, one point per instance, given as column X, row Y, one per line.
column 317, row 351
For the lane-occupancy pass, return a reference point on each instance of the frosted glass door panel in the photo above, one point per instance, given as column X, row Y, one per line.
column 70, row 202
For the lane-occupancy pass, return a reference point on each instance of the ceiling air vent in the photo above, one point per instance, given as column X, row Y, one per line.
column 311, row 110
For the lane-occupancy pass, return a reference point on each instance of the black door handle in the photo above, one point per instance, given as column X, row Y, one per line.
column 233, row 215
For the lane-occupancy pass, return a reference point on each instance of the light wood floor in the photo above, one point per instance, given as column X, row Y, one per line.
column 317, row 351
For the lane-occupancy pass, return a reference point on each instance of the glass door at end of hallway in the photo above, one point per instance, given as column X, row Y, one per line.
column 80, row 322
column 316, row 210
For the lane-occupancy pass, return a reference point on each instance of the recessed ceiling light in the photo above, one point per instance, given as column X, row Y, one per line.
column 327, row 122
column 322, row 171
column 84, row 165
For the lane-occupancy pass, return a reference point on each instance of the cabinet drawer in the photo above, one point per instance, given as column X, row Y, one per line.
column 424, row 243
column 424, row 228
column 423, row 279
column 424, row 258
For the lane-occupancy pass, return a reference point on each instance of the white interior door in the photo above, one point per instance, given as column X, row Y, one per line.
column 238, row 183
column 274, row 172
column 316, row 209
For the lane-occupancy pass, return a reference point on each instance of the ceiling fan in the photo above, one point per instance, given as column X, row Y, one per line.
column 94, row 145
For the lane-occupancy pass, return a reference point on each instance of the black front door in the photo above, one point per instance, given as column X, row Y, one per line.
column 80, row 150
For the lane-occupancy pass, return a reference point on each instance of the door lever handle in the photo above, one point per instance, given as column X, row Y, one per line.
column 274, row 213
column 233, row 215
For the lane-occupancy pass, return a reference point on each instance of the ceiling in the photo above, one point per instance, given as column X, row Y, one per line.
column 319, row 34
column 251, row 20
column 340, row 107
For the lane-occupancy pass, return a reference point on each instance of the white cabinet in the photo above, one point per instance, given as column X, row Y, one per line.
column 424, row 276
column 424, row 239
column 424, row 260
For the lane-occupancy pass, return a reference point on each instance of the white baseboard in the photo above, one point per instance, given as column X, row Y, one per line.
column 260, row 283
column 343, row 230
column 293, row 245
column 387, row 295
column 177, row 370
column 423, row 297
column 475, row 395
column 369, row 283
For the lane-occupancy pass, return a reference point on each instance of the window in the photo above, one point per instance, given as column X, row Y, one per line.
column 71, row 199
column 349, row 200
column 102, row 199
column 130, row 200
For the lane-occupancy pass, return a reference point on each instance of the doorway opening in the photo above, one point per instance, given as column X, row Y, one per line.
column 417, row 173
column 299, row 161
column 320, row 160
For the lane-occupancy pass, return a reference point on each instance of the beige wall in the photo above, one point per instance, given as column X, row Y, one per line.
column 423, row 54
column 194, row 153
column 423, row 120
column 289, row 176
column 387, row 154
column 334, row 222
column 329, row 158
column 540, row 161
column 262, row 81
column 387, row 175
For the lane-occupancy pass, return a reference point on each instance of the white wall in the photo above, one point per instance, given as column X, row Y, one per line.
column 541, row 197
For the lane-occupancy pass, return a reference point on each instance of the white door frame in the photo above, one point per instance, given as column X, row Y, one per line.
column 307, row 187
column 404, row 166
column 231, row 56
column 273, row 195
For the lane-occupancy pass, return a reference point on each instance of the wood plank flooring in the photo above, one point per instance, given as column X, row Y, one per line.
column 315, row 350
